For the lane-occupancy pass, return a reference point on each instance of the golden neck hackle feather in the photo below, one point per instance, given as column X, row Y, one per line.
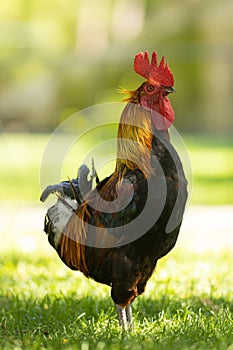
column 134, row 140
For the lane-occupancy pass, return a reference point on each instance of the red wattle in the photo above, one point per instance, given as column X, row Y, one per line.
column 165, row 116
column 161, row 111
column 168, row 110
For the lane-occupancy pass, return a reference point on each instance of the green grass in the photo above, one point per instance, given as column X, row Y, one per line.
column 21, row 155
column 187, row 305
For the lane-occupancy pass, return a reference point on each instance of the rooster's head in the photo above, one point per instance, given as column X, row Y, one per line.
column 152, row 94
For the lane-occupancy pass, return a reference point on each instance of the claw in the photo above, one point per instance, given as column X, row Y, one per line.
column 75, row 193
column 94, row 173
column 69, row 188
column 49, row 190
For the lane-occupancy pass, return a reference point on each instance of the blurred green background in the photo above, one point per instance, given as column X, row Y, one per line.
column 59, row 57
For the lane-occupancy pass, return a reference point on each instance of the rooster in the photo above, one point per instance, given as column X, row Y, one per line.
column 116, row 232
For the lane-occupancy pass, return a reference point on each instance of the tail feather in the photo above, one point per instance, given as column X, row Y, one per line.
column 72, row 243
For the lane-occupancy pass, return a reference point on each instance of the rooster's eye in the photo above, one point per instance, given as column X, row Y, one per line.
column 150, row 88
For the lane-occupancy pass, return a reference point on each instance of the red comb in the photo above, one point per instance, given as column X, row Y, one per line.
column 151, row 71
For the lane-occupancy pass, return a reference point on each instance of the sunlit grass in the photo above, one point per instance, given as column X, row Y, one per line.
column 21, row 156
column 188, row 304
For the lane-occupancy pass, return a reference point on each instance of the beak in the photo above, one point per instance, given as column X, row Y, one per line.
column 169, row 90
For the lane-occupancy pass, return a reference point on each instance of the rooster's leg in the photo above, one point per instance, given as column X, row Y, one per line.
column 121, row 313
column 128, row 311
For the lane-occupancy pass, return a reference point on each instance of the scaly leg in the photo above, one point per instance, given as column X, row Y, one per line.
column 125, row 316
column 128, row 311
column 121, row 313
